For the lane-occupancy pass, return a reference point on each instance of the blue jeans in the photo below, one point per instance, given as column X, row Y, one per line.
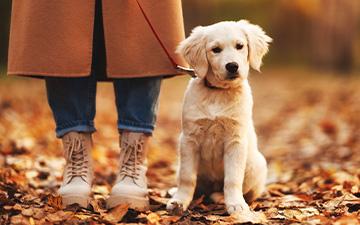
column 72, row 101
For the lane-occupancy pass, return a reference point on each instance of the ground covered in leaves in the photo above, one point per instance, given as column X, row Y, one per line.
column 308, row 126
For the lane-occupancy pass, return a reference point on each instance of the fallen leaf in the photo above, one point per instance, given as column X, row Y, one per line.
column 117, row 213
column 153, row 219
column 54, row 201
column 27, row 212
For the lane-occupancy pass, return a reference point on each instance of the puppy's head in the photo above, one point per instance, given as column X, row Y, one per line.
column 223, row 52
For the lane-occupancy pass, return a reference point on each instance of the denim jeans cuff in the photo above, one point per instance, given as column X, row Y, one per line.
column 135, row 127
column 87, row 128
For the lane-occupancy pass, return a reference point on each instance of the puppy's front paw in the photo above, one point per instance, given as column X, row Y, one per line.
column 237, row 208
column 175, row 207
column 242, row 214
column 179, row 202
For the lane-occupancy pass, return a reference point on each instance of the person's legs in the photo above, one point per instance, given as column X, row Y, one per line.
column 72, row 101
column 136, row 101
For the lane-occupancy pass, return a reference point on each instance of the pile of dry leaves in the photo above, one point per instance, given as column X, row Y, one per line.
column 308, row 128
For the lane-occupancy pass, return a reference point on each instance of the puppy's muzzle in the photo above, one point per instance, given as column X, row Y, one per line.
column 232, row 69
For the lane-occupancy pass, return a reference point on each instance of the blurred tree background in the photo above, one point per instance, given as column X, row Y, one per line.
column 320, row 34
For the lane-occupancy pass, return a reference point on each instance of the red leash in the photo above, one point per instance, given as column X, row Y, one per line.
column 175, row 65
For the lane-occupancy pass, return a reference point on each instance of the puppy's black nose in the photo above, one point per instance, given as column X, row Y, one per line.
column 232, row 67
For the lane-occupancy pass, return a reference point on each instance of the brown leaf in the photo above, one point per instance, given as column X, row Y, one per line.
column 304, row 197
column 155, row 200
column 328, row 126
column 197, row 202
column 27, row 212
column 169, row 219
column 117, row 213
column 17, row 207
column 38, row 213
column 318, row 219
column 19, row 220
column 348, row 220
column 95, row 204
column 54, row 217
column 54, row 201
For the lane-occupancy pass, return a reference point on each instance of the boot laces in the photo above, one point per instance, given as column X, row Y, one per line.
column 131, row 158
column 77, row 159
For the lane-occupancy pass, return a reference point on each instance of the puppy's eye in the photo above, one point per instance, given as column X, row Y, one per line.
column 239, row 46
column 216, row 50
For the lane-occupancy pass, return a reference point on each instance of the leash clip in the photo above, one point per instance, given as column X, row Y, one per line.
column 189, row 71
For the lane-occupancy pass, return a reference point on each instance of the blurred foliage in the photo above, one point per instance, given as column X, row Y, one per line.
column 320, row 34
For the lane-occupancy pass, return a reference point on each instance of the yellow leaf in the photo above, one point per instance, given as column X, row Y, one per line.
column 153, row 219
column 82, row 216
column 31, row 221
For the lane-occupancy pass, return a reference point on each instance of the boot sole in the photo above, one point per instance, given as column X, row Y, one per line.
column 137, row 203
column 72, row 199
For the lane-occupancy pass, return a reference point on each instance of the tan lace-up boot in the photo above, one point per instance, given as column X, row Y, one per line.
column 76, row 186
column 131, row 184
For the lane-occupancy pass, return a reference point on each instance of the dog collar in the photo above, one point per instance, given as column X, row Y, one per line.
column 209, row 85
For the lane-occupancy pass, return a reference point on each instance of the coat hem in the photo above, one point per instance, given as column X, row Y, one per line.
column 42, row 75
column 115, row 76
column 74, row 75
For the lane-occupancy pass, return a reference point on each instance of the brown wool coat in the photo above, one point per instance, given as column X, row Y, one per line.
column 54, row 38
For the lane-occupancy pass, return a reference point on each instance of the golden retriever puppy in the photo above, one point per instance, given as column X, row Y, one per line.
column 218, row 143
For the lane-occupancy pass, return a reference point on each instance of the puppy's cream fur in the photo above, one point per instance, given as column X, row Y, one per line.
column 218, row 142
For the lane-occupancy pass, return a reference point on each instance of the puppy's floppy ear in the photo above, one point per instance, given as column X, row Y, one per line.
column 193, row 49
column 258, row 43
